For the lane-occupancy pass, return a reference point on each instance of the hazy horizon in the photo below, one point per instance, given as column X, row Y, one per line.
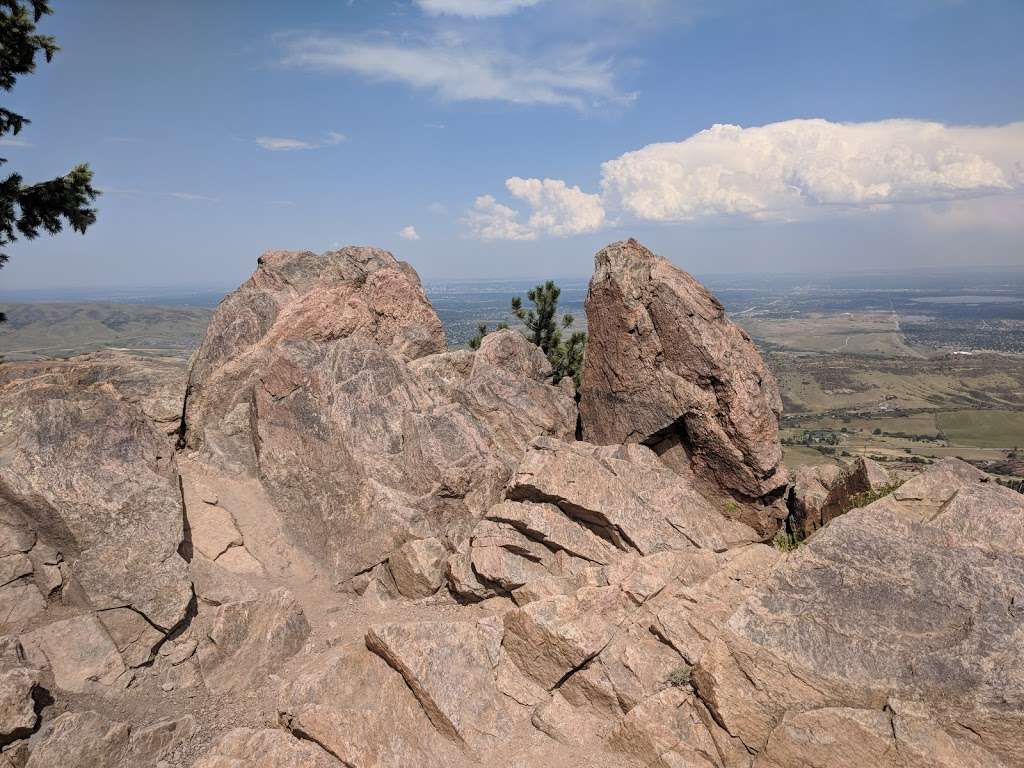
column 925, row 279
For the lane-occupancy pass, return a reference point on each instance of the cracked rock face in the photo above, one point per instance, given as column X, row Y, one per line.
column 326, row 378
column 370, row 551
column 909, row 599
column 664, row 362
column 86, row 473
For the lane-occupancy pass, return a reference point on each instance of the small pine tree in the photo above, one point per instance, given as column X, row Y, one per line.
column 25, row 209
column 542, row 329
column 540, row 323
column 567, row 359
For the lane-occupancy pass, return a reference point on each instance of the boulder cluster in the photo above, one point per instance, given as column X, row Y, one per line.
column 332, row 542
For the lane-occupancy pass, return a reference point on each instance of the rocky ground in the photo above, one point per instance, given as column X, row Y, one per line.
column 331, row 542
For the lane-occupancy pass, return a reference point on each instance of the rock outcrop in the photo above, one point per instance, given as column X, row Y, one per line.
column 326, row 377
column 666, row 368
column 907, row 610
column 89, row 498
column 369, row 551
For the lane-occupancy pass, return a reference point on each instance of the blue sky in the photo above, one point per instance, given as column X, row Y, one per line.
column 513, row 138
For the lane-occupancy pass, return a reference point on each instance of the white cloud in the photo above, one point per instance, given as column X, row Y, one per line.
column 556, row 209
column 490, row 220
column 801, row 168
column 476, row 9
column 282, row 144
column 195, row 197
column 409, row 233
column 438, row 209
column 786, row 171
column 456, row 72
column 9, row 142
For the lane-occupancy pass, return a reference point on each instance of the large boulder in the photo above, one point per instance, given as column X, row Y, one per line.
column 324, row 376
column 87, row 477
column 665, row 367
column 292, row 297
column 908, row 603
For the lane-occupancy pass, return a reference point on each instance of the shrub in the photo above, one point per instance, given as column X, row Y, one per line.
column 867, row 497
column 680, row 676
column 786, row 542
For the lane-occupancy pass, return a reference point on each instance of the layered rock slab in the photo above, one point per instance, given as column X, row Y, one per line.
column 451, row 667
column 910, row 598
column 361, row 710
column 251, row 638
column 664, row 363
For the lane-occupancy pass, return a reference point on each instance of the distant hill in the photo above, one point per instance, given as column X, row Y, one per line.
column 62, row 329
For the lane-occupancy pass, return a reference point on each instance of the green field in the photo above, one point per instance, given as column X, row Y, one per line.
column 983, row 429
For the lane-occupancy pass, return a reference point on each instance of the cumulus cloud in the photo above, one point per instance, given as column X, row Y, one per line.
column 283, row 144
column 457, row 72
column 409, row 233
column 490, row 220
column 786, row 171
column 557, row 210
column 475, row 9
column 800, row 168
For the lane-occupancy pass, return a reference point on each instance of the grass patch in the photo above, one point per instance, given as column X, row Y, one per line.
column 680, row 676
column 786, row 542
column 863, row 499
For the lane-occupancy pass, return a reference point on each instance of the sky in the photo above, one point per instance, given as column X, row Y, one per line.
column 514, row 138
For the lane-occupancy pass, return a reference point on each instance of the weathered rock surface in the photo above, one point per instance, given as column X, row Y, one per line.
column 326, row 377
column 451, row 668
column 80, row 653
column 81, row 740
column 18, row 715
column 249, row 639
column 910, row 598
column 663, row 362
column 265, row 748
column 363, row 712
column 85, row 469
column 370, row 551
column 821, row 493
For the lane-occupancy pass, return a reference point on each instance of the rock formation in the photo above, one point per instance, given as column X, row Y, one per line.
column 369, row 551
column 664, row 366
column 326, row 378
column 821, row 493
